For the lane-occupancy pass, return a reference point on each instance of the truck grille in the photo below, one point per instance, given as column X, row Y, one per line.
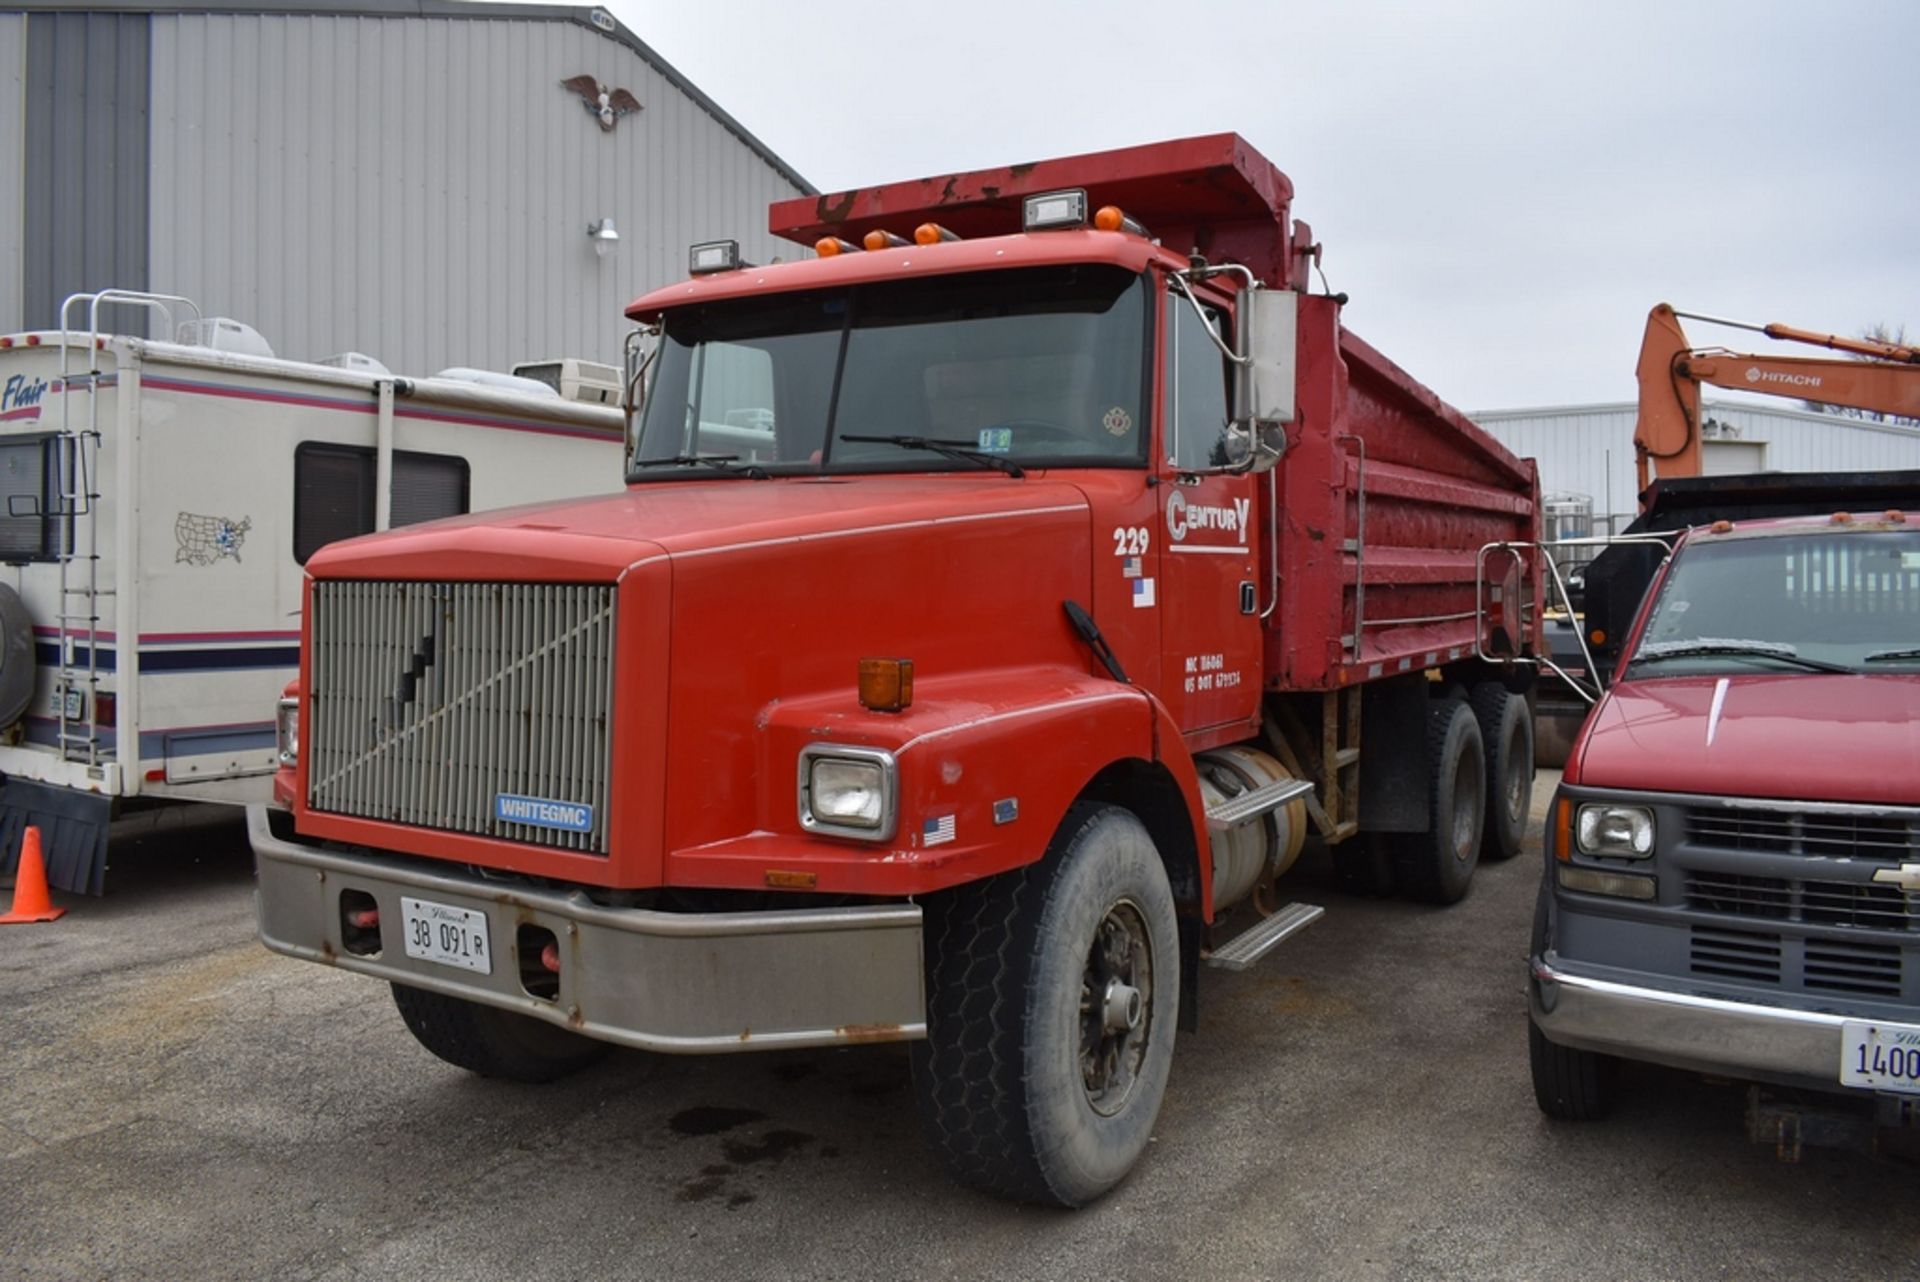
column 472, row 707
column 1829, row 965
column 1821, row 903
column 1888, row 838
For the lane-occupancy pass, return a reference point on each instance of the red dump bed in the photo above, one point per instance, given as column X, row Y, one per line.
column 1386, row 493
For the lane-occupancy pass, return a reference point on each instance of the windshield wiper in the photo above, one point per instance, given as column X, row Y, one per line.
column 727, row 463
column 951, row 449
column 1708, row 647
column 1890, row 656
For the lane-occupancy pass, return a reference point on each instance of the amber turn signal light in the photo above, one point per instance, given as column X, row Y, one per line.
column 886, row 685
column 1563, row 830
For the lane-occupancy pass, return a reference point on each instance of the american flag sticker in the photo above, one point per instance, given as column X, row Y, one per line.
column 1132, row 567
column 1142, row 593
column 937, row 832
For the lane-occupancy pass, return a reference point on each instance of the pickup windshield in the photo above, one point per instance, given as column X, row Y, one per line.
column 1828, row 602
column 1034, row 366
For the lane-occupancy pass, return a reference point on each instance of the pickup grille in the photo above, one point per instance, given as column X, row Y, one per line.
column 1888, row 838
column 430, row 701
column 1863, row 905
column 1829, row 965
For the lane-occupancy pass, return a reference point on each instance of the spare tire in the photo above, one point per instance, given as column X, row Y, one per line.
column 16, row 658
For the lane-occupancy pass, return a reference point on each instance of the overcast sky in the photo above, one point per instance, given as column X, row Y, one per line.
column 1504, row 189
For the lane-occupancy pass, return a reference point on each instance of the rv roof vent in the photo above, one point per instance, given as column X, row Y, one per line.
column 576, row 380
column 358, row 362
column 496, row 381
column 224, row 334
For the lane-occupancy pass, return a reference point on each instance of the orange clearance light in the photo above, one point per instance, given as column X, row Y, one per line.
column 1896, row 516
column 1563, row 831
column 792, row 880
column 830, row 246
column 1114, row 218
column 1598, row 636
column 1843, row 518
column 886, row 685
column 6, row 342
column 33, row 340
column 931, row 234
column 883, row 240
column 1721, row 527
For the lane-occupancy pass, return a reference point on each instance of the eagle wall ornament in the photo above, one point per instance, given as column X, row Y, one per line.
column 605, row 104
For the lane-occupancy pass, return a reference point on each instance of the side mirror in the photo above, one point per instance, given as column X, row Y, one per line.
column 1263, row 379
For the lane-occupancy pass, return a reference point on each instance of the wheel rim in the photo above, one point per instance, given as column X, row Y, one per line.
column 1116, row 1008
column 1467, row 785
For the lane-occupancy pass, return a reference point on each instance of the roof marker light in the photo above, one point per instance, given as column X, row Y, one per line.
column 1843, row 518
column 1722, row 527
column 833, row 246
column 1054, row 209
column 931, row 234
column 1113, row 218
column 884, row 240
column 1896, row 516
column 714, row 256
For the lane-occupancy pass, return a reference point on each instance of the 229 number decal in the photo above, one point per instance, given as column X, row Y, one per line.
column 1130, row 540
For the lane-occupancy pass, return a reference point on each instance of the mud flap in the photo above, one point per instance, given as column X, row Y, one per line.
column 73, row 833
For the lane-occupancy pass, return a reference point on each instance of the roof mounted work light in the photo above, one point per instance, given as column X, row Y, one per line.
column 714, row 256
column 1054, row 209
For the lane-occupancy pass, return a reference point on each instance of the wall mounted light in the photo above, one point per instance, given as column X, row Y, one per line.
column 605, row 239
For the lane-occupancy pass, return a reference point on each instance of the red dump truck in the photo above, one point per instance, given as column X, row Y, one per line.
column 1000, row 598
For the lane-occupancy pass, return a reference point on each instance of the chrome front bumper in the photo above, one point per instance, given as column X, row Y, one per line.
column 1703, row 1034
column 687, row 983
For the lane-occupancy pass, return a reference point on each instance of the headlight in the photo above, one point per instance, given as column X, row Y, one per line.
column 847, row 792
column 1624, row 832
column 287, row 727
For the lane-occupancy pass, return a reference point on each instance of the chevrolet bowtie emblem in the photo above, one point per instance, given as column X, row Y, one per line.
column 1906, row 876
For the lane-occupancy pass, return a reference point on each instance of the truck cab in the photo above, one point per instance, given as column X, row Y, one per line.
column 1732, row 880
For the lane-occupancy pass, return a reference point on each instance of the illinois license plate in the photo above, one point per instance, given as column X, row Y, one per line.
column 1880, row 1057
column 447, row 935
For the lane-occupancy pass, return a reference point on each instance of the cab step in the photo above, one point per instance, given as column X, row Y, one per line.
column 1248, row 947
column 1253, row 803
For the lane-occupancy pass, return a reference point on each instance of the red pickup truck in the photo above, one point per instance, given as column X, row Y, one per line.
column 1733, row 857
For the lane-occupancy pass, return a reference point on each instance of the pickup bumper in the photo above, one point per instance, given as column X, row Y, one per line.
column 1702, row 1034
column 686, row 983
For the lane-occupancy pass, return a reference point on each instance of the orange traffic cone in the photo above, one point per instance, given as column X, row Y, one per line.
column 30, row 901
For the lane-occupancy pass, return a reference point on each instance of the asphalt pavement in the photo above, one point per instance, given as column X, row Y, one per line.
column 175, row 1102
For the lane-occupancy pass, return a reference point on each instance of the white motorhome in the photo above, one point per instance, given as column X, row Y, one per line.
column 157, row 502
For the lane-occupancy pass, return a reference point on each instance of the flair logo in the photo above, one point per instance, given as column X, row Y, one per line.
column 20, row 399
column 540, row 812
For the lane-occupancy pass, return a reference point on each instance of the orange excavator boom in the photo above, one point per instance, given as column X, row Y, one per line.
column 1671, row 372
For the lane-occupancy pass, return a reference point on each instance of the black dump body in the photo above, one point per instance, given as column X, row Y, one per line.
column 1617, row 578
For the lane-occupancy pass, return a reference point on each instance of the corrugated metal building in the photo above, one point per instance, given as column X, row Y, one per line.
column 406, row 178
column 1588, row 449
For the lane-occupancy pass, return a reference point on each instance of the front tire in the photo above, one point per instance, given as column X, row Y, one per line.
column 490, row 1041
column 1053, row 993
column 1570, row 1085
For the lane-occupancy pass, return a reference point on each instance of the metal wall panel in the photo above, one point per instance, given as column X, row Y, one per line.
column 1588, row 449
column 85, row 163
column 419, row 189
column 13, row 169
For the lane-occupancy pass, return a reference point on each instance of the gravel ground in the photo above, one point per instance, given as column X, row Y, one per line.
column 176, row 1102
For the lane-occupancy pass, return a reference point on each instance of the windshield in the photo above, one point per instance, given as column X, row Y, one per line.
column 1031, row 366
column 1792, row 603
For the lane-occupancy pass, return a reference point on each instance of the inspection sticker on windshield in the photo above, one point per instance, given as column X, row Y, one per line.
column 1880, row 1057
column 996, row 440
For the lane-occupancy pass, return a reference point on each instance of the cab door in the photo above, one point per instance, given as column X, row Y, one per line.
column 1209, row 537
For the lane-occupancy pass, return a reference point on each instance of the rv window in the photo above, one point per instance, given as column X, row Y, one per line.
column 32, row 525
column 333, row 492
